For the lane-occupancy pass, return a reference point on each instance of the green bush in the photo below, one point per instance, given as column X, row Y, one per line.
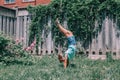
column 3, row 44
column 10, row 51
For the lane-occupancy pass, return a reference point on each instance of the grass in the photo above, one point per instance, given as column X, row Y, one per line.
column 49, row 68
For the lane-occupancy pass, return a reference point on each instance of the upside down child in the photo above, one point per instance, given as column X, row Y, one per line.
column 70, row 53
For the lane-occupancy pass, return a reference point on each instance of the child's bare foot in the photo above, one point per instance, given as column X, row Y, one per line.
column 57, row 21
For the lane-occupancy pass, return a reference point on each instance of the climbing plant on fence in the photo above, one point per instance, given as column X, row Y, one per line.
column 79, row 14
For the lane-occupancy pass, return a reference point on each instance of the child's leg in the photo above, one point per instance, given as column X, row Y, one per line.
column 66, row 32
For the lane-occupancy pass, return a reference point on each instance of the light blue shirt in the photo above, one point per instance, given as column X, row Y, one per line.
column 71, row 40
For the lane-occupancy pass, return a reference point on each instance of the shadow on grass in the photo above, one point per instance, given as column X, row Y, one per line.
column 61, row 65
column 70, row 65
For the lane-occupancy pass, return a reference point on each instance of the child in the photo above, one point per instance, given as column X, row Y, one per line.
column 70, row 53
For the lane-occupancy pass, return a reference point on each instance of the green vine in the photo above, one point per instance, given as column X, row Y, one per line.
column 79, row 14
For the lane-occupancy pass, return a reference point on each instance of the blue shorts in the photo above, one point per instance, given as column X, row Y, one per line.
column 71, row 51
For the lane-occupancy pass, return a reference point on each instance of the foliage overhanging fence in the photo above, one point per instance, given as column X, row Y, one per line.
column 81, row 16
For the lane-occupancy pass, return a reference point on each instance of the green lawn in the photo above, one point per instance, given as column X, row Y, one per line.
column 49, row 68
